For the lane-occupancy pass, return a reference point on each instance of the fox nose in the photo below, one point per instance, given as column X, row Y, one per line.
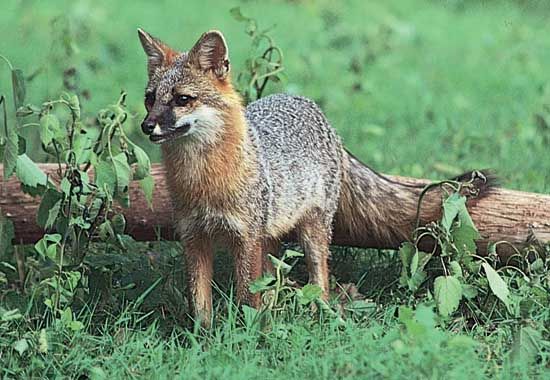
column 148, row 126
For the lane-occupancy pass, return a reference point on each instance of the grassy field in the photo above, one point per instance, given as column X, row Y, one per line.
column 418, row 88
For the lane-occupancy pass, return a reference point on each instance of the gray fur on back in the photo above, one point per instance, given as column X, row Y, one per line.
column 300, row 158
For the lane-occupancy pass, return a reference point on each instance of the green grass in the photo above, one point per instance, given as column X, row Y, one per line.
column 294, row 349
column 418, row 88
column 293, row 345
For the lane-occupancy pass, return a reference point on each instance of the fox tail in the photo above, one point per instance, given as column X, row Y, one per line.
column 377, row 212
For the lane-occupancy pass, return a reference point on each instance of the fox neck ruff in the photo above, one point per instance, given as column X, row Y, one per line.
column 211, row 174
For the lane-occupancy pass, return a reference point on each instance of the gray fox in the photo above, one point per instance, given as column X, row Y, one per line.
column 243, row 178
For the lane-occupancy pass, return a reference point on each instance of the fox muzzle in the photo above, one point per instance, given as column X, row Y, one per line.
column 158, row 120
column 148, row 126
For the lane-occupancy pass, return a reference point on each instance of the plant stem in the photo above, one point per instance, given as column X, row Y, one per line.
column 20, row 259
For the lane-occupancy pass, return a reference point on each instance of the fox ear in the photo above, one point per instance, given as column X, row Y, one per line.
column 211, row 53
column 158, row 53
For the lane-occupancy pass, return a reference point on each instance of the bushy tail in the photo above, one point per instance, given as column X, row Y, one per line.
column 375, row 211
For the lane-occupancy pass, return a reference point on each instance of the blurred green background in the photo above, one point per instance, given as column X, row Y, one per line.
column 415, row 87
column 424, row 88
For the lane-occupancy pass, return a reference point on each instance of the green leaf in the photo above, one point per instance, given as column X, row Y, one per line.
column 9, row 142
column 75, row 326
column 122, row 173
column 51, row 252
column 423, row 259
column 85, row 181
column 82, row 146
column 416, row 280
column 497, row 284
column 538, row 266
column 289, row 253
column 47, row 246
column 119, row 223
column 456, row 269
column 95, row 208
column 66, row 316
column 106, row 232
column 43, row 345
column 406, row 253
column 469, row 291
column 451, row 208
column 49, row 128
column 18, row 83
column 464, row 238
column 21, row 346
column 143, row 166
column 147, row 185
column 414, row 262
column 465, row 232
column 250, row 315
column 105, row 176
column 72, row 279
column 466, row 219
column 65, row 186
column 280, row 264
column 10, row 155
column 6, row 235
column 80, row 222
column 266, row 282
column 309, row 293
column 10, row 315
column 73, row 102
column 29, row 173
column 49, row 208
column 526, row 345
column 447, row 292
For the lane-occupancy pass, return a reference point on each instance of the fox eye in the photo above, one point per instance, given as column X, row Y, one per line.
column 149, row 100
column 182, row 100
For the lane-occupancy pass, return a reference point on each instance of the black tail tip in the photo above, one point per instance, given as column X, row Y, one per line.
column 482, row 180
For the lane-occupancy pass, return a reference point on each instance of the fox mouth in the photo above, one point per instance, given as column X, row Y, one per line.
column 170, row 134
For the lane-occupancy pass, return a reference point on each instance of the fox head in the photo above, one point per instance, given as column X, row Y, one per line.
column 189, row 94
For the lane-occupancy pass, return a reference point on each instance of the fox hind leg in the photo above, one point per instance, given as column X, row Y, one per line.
column 314, row 238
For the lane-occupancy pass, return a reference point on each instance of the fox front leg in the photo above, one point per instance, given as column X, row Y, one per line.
column 248, row 268
column 199, row 256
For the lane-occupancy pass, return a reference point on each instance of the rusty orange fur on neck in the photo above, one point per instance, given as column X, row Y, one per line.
column 210, row 175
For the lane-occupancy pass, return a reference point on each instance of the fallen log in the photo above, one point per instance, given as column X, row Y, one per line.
column 504, row 215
